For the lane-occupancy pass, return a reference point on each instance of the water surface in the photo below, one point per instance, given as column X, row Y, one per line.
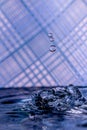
column 13, row 118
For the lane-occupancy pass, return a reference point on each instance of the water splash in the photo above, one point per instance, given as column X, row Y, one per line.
column 55, row 100
column 54, row 108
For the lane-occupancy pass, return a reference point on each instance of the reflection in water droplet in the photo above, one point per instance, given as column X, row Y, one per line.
column 52, row 48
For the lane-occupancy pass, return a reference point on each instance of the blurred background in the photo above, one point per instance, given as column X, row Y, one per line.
column 43, row 42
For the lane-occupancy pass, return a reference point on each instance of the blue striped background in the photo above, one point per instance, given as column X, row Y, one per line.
column 25, row 59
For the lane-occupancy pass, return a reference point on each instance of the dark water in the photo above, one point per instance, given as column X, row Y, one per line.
column 14, row 116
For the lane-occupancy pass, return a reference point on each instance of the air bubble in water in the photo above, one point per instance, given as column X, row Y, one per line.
column 52, row 48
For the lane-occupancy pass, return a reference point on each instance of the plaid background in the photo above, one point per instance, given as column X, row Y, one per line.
column 25, row 59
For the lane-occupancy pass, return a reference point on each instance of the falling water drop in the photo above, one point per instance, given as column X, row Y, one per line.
column 51, row 39
column 50, row 35
column 52, row 48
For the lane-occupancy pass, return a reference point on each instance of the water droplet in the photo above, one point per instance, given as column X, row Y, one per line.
column 51, row 39
column 50, row 35
column 52, row 48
